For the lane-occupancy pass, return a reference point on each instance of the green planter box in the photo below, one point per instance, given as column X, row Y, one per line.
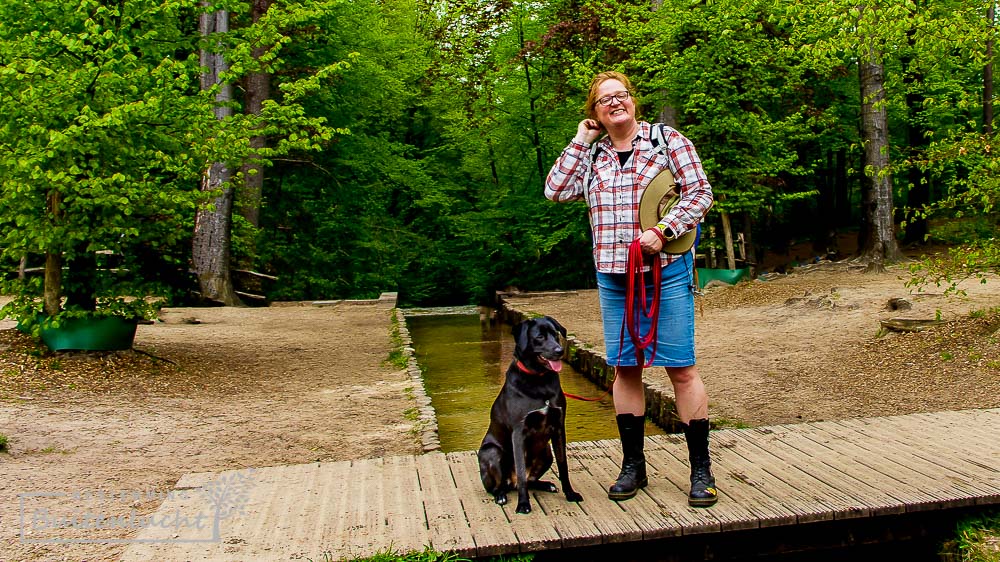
column 727, row 276
column 91, row 334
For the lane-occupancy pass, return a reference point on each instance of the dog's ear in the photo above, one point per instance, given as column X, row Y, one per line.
column 557, row 325
column 520, row 332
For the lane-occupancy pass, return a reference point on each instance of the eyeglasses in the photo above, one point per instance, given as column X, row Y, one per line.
column 622, row 97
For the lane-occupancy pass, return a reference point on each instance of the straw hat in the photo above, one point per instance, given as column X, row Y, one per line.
column 659, row 197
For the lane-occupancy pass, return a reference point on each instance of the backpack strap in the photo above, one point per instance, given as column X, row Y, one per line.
column 658, row 138
column 590, row 165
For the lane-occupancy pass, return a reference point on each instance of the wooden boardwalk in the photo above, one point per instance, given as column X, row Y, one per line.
column 768, row 477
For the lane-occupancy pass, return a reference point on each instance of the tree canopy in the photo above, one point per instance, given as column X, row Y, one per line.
column 405, row 142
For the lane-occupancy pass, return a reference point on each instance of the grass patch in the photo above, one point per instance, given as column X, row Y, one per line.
column 397, row 355
column 412, row 414
column 3, row 443
column 727, row 423
column 977, row 539
column 428, row 555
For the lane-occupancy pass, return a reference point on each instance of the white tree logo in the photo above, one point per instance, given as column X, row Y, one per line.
column 228, row 495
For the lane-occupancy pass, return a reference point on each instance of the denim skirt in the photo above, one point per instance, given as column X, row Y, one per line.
column 675, row 331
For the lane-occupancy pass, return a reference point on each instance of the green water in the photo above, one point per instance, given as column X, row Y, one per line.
column 464, row 361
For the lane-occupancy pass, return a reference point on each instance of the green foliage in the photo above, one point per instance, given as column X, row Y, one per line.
column 977, row 538
column 408, row 141
column 101, row 137
column 3, row 443
column 106, row 134
column 429, row 555
column 397, row 357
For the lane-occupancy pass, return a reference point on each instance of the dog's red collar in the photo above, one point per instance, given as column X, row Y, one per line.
column 525, row 370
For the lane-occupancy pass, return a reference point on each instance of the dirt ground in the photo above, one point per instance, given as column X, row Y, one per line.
column 225, row 388
column 243, row 387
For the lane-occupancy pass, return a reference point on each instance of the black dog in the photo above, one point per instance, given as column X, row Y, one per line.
column 528, row 413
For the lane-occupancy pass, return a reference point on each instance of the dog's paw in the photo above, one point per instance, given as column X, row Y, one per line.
column 500, row 498
column 523, row 508
column 572, row 496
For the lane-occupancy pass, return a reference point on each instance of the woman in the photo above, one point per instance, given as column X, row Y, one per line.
column 617, row 171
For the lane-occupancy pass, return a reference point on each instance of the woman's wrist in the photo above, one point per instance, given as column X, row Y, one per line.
column 659, row 234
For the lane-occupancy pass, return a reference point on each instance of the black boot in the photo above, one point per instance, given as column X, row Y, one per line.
column 703, row 492
column 631, row 428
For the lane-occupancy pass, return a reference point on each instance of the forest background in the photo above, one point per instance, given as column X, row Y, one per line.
column 354, row 147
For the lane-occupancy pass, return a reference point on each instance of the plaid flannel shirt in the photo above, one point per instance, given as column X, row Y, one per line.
column 614, row 191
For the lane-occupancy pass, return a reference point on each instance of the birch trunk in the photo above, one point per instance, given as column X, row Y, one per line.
column 879, row 245
column 211, row 241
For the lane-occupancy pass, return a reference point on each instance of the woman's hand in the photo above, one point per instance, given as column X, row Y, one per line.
column 587, row 131
column 650, row 242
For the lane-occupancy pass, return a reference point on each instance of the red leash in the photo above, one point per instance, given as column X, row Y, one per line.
column 524, row 369
column 633, row 315
column 586, row 399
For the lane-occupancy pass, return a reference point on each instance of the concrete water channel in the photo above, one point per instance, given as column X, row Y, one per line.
column 464, row 353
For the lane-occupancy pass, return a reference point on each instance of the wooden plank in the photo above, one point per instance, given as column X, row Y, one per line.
column 653, row 521
column 194, row 480
column 851, row 461
column 569, row 519
column 779, row 479
column 447, row 526
column 490, row 528
column 333, row 501
column 803, row 474
column 405, row 514
column 780, row 475
column 612, row 523
column 671, row 463
column 271, row 523
column 365, row 529
column 979, row 424
column 982, row 423
column 552, row 524
column 930, row 455
column 301, row 484
column 923, row 492
column 858, row 486
column 741, row 481
column 894, row 463
column 669, row 499
column 965, row 459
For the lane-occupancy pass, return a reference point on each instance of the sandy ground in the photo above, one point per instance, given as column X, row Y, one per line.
column 250, row 387
column 809, row 346
column 216, row 389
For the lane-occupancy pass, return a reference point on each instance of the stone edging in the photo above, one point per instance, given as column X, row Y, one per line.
column 593, row 364
column 427, row 421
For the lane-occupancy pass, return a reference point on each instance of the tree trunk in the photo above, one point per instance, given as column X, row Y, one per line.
column 879, row 245
column 258, row 89
column 211, row 241
column 52, row 285
column 668, row 116
column 536, row 139
column 727, row 235
column 748, row 240
column 52, row 293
